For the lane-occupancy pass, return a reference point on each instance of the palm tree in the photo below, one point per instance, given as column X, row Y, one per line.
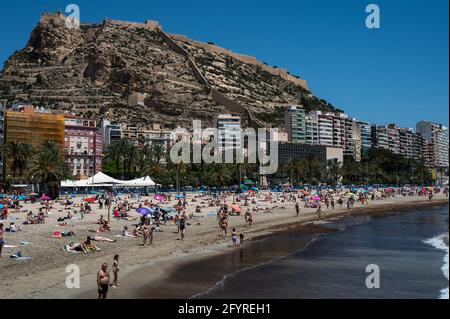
column 26, row 152
column 158, row 151
column 18, row 154
column 179, row 168
column 334, row 169
column 48, row 168
column 129, row 152
column 114, row 153
column 312, row 165
column 155, row 170
column 222, row 174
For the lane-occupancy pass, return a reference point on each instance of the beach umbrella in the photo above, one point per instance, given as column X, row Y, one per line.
column 159, row 197
column 316, row 198
column 21, row 197
column 350, row 194
column 179, row 196
column 90, row 199
column 44, row 197
column 2, row 206
column 143, row 211
column 236, row 208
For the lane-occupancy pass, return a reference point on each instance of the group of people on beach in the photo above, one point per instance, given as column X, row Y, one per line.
column 254, row 204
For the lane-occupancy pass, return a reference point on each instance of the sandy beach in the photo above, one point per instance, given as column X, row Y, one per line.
column 44, row 275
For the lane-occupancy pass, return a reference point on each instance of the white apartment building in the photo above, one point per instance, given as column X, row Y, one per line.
column 437, row 136
column 381, row 137
column 332, row 130
column 229, row 131
column 312, row 130
column 393, row 138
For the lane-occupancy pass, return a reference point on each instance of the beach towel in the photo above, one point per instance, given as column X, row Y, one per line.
column 56, row 234
column 9, row 246
column 19, row 256
column 97, row 238
column 126, row 237
column 72, row 249
column 25, row 243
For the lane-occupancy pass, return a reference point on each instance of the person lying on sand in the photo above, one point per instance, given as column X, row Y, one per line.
column 74, row 247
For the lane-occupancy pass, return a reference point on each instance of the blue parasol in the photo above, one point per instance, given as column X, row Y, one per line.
column 143, row 211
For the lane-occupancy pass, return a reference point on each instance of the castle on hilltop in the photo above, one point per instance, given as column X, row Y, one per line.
column 156, row 26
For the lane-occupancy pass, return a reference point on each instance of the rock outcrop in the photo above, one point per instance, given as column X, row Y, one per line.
column 94, row 70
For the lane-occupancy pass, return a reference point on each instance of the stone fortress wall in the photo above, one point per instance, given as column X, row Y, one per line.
column 155, row 26
column 243, row 58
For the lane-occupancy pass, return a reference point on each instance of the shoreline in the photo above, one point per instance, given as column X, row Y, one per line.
column 133, row 287
column 43, row 277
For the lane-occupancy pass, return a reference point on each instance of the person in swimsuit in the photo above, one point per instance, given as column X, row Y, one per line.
column 116, row 269
column 297, row 208
column 248, row 218
column 241, row 239
column 146, row 233
column 103, row 278
column 224, row 225
column 2, row 242
column 234, row 237
column 319, row 212
column 182, row 225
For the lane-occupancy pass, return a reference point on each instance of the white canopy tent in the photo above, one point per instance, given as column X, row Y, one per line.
column 139, row 182
column 102, row 180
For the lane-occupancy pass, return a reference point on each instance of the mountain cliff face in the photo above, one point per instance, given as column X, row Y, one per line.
column 94, row 70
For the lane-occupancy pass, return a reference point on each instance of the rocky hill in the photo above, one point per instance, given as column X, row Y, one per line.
column 95, row 69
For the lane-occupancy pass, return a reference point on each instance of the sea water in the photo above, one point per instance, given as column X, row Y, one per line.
column 409, row 250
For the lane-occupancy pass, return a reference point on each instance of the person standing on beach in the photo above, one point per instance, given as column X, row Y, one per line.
column 248, row 218
column 224, row 225
column 241, row 239
column 234, row 237
column 319, row 211
column 146, row 233
column 182, row 226
column 332, row 203
column 103, row 278
column 297, row 208
column 116, row 269
column 2, row 242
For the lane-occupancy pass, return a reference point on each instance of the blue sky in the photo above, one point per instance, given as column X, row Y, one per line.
column 395, row 74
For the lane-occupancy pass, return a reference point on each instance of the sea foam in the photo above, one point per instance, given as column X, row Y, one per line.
column 441, row 242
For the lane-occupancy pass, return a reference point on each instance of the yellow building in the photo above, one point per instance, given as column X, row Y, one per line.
column 34, row 128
